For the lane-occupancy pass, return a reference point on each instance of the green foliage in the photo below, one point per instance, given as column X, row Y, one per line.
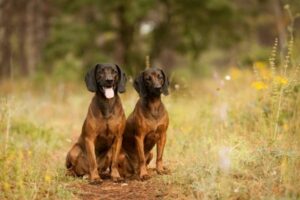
column 92, row 30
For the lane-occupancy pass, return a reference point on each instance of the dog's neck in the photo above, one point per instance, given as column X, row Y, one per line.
column 105, row 105
column 153, row 105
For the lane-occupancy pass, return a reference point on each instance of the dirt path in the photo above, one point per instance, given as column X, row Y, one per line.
column 130, row 189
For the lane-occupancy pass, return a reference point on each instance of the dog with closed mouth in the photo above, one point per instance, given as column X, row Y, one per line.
column 146, row 125
column 100, row 141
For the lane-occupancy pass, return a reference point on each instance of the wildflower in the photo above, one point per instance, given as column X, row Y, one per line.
column 227, row 78
column 6, row 186
column 264, row 72
column 259, row 85
column 47, row 178
column 224, row 159
column 281, row 80
column 286, row 127
column 260, row 65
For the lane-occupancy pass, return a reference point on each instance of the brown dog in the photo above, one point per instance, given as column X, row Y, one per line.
column 100, row 141
column 146, row 125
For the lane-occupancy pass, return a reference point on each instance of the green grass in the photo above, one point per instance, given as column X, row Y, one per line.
column 221, row 141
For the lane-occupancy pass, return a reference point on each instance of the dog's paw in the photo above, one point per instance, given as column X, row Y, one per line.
column 163, row 171
column 96, row 182
column 115, row 176
column 145, row 177
column 117, row 179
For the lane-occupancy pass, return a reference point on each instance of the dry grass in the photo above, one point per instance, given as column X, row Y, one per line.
column 221, row 140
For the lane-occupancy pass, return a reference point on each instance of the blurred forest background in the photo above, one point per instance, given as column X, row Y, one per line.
column 63, row 38
column 234, row 103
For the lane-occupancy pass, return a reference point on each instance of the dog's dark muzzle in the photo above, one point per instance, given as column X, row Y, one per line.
column 156, row 90
column 109, row 82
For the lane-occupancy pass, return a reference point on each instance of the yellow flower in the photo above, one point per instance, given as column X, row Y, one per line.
column 259, row 85
column 281, row 80
column 286, row 127
column 263, row 71
column 6, row 186
column 260, row 65
column 47, row 178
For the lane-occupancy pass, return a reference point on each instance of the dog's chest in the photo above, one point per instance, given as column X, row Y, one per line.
column 106, row 134
column 109, row 127
column 154, row 132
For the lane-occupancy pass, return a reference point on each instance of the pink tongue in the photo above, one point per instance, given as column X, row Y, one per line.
column 109, row 92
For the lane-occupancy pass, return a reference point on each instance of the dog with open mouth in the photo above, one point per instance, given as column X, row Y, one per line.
column 146, row 126
column 100, row 141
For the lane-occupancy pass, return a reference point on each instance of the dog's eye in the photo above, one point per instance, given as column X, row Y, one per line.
column 99, row 75
column 148, row 78
column 159, row 76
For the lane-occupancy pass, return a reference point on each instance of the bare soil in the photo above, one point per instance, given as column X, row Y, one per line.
column 130, row 189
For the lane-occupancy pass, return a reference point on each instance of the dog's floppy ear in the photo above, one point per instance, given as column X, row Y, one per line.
column 165, row 86
column 122, row 80
column 90, row 79
column 139, row 85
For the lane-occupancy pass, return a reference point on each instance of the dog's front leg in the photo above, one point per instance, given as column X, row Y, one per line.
column 160, row 150
column 115, row 155
column 142, row 161
column 91, row 157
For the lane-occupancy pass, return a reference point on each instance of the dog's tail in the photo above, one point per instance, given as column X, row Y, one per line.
column 68, row 163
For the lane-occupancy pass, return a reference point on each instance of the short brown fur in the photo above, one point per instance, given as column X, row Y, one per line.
column 146, row 126
column 100, row 141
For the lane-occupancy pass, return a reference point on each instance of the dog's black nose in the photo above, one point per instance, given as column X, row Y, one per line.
column 109, row 81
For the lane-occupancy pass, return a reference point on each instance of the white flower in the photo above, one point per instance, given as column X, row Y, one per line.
column 224, row 159
column 227, row 78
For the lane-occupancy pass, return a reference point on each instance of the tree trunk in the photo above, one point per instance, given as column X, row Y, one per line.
column 5, row 46
column 22, row 36
column 162, row 38
column 125, row 37
column 280, row 27
column 39, row 14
